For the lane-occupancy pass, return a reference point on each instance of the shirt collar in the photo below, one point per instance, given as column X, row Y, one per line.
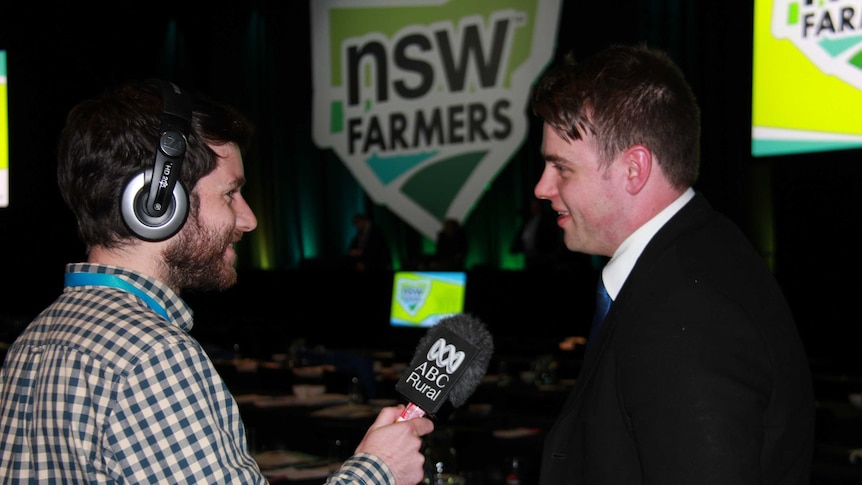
column 620, row 265
column 153, row 290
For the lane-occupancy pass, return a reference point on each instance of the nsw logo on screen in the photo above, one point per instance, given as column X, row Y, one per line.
column 411, row 294
column 425, row 101
column 827, row 33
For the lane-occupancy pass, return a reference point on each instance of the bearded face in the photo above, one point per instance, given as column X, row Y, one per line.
column 200, row 258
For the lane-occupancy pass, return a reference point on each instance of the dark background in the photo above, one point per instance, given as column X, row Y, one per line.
column 801, row 212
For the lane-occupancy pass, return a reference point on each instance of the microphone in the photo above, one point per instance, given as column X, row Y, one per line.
column 449, row 363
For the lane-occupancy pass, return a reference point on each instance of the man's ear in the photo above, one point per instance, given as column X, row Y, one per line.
column 638, row 160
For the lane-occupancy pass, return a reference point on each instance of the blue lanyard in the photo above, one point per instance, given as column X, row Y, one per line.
column 102, row 279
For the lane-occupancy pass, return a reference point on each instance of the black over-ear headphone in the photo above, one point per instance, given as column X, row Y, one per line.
column 155, row 203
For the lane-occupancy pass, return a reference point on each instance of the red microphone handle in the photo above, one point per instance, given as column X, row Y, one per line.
column 410, row 412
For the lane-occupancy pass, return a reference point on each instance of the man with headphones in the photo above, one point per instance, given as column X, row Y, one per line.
column 106, row 385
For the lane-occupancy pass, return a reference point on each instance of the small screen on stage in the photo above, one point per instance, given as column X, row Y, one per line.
column 422, row 298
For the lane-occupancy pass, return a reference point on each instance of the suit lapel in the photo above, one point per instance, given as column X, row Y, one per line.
column 695, row 212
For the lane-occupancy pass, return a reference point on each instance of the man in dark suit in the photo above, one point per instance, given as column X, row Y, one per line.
column 697, row 374
column 539, row 238
column 368, row 249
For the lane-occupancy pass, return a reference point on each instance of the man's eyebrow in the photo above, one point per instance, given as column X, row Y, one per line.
column 553, row 157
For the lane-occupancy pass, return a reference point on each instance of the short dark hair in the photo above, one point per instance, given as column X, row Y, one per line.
column 112, row 137
column 622, row 96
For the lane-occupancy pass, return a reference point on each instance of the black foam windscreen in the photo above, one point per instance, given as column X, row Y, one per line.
column 155, row 203
column 449, row 364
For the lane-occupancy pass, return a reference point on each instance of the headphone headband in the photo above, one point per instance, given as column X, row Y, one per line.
column 171, row 149
column 158, row 212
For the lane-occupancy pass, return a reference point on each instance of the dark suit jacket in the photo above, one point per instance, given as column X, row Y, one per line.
column 697, row 376
column 375, row 249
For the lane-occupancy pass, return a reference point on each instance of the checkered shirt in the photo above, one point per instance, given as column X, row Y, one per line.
column 100, row 388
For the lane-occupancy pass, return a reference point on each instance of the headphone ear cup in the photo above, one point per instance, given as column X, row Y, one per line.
column 142, row 224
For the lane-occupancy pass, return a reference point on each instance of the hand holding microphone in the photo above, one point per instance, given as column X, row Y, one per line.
column 450, row 362
column 397, row 444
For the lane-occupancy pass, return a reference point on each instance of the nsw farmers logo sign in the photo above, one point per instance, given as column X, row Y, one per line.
column 827, row 33
column 425, row 101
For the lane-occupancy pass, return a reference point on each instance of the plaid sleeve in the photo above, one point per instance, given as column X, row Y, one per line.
column 363, row 468
column 176, row 422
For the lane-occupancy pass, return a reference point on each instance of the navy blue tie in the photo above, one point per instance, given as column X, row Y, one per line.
column 603, row 304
